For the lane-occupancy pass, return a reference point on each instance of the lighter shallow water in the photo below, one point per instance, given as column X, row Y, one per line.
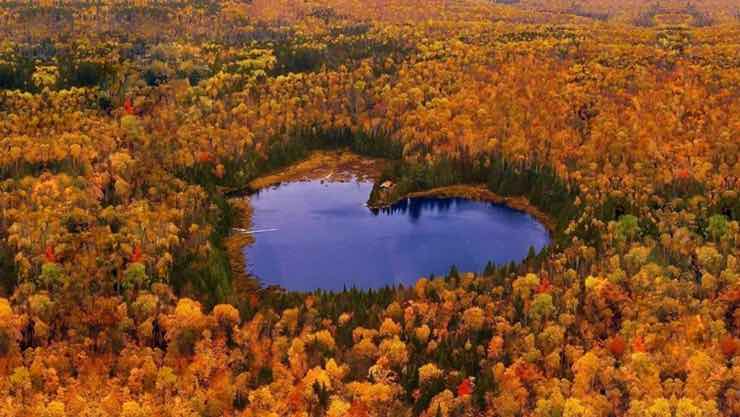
column 311, row 235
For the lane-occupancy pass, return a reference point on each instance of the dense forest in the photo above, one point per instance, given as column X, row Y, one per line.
column 126, row 128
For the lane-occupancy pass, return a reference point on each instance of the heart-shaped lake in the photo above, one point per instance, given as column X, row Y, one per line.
column 311, row 235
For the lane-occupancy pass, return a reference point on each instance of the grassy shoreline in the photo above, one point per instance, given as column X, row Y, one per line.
column 234, row 244
column 339, row 165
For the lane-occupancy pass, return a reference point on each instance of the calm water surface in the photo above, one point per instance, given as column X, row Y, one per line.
column 311, row 235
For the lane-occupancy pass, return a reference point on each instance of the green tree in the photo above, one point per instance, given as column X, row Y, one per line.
column 717, row 227
column 628, row 228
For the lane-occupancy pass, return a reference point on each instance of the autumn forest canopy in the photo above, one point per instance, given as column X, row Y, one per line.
column 130, row 130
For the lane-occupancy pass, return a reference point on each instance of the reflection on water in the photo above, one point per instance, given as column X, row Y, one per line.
column 322, row 236
column 414, row 207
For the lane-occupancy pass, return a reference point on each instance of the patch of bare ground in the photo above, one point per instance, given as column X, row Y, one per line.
column 330, row 166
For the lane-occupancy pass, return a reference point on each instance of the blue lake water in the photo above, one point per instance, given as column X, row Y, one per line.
column 310, row 235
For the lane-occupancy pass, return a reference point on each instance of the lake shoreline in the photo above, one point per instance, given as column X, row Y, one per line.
column 321, row 235
column 477, row 192
column 345, row 166
column 331, row 166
